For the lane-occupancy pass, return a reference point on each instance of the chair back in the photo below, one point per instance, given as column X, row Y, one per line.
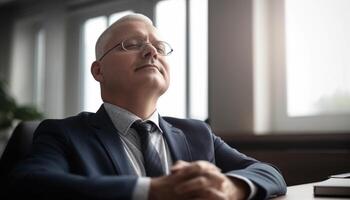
column 17, row 148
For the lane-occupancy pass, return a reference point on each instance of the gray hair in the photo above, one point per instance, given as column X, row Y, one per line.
column 107, row 34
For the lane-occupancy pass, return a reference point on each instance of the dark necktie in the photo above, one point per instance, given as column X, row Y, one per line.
column 152, row 163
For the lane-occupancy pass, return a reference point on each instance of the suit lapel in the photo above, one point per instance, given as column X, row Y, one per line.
column 176, row 141
column 107, row 134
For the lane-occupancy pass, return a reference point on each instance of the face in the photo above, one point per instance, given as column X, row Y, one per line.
column 124, row 74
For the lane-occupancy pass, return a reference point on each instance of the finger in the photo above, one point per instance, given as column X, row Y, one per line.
column 205, row 165
column 212, row 179
column 192, row 185
column 196, row 169
column 179, row 165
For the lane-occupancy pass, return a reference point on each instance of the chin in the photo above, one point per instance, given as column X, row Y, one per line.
column 163, row 89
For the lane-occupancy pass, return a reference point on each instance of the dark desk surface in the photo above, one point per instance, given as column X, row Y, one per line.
column 303, row 192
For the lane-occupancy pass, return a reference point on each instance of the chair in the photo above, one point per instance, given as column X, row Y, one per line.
column 17, row 148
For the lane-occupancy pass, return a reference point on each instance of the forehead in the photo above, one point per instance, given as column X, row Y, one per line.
column 134, row 28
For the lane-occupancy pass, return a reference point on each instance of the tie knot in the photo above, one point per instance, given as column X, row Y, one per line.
column 142, row 127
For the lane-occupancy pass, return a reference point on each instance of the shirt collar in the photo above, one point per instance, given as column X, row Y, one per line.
column 123, row 119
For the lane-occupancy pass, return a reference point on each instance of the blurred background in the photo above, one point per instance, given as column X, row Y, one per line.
column 272, row 77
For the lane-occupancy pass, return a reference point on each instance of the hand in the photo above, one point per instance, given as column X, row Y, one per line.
column 203, row 180
column 163, row 188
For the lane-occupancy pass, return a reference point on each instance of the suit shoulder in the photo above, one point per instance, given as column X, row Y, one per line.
column 185, row 124
column 68, row 121
column 174, row 120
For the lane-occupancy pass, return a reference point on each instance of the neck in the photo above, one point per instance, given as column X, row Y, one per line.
column 139, row 106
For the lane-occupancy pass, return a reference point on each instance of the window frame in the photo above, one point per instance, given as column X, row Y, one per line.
column 272, row 18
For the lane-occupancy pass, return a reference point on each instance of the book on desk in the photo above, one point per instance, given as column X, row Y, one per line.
column 335, row 186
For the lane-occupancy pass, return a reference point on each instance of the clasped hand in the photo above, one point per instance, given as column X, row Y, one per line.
column 197, row 180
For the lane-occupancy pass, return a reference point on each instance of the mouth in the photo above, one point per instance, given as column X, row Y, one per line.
column 147, row 66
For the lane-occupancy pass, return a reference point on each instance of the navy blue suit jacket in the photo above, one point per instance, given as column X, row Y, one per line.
column 82, row 157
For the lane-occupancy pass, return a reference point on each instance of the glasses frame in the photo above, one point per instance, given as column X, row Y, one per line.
column 123, row 48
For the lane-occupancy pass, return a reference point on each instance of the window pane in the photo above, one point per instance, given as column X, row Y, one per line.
column 91, row 31
column 318, row 62
column 39, row 67
column 199, row 59
column 168, row 13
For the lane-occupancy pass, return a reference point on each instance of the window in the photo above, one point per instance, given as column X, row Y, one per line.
column 301, row 66
column 92, row 29
column 168, row 13
column 39, row 67
column 28, row 62
column 198, row 59
column 188, row 35
column 317, row 57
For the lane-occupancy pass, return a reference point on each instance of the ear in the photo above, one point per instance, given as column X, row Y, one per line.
column 96, row 71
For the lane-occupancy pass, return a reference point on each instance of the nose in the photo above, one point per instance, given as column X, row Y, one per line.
column 149, row 51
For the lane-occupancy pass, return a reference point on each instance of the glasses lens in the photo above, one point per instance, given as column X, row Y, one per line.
column 163, row 48
column 133, row 44
column 137, row 44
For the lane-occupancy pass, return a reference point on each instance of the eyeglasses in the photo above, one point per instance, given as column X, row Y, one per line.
column 137, row 44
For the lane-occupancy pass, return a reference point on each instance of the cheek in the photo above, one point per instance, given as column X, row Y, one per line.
column 166, row 69
column 168, row 74
column 126, row 61
column 119, row 66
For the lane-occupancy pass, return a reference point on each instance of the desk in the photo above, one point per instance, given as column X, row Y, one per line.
column 304, row 192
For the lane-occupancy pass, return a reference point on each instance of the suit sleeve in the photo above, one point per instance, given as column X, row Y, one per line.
column 267, row 178
column 46, row 173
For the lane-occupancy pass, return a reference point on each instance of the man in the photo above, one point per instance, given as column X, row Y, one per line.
column 111, row 155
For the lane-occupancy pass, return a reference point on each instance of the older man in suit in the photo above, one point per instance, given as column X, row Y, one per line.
column 126, row 150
